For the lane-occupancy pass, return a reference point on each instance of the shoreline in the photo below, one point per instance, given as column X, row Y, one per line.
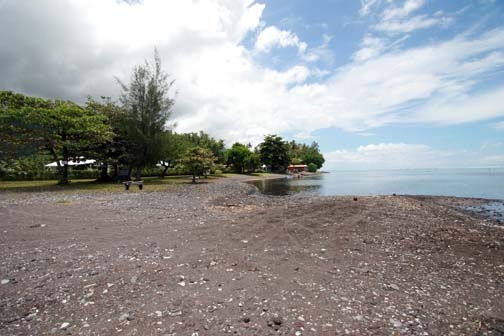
column 217, row 258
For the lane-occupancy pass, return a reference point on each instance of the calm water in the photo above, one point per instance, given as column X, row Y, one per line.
column 481, row 183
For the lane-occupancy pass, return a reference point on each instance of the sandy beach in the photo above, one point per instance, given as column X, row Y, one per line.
column 219, row 258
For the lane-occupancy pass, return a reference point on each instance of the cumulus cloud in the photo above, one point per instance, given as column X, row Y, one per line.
column 223, row 89
column 271, row 37
column 388, row 156
column 408, row 156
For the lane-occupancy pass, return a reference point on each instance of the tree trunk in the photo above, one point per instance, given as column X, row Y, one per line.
column 166, row 166
column 138, row 174
column 104, row 176
column 194, row 177
column 64, row 171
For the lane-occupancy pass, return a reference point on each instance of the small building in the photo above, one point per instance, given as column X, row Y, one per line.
column 297, row 168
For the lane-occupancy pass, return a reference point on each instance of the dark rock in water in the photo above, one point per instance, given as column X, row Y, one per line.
column 355, row 198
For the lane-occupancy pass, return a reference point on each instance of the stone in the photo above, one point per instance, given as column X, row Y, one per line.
column 64, row 325
column 277, row 320
column 5, row 281
column 394, row 287
column 396, row 323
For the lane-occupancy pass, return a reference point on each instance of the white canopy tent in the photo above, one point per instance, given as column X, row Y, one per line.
column 80, row 162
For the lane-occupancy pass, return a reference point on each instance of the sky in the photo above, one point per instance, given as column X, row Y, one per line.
column 378, row 84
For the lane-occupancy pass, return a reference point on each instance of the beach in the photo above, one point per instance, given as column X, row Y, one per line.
column 219, row 258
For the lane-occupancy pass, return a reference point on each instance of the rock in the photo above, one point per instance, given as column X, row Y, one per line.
column 246, row 319
column 393, row 286
column 277, row 320
column 134, row 279
column 5, row 281
column 159, row 313
column 64, row 325
column 396, row 323
column 126, row 317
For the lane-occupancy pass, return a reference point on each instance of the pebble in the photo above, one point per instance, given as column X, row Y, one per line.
column 396, row 323
column 393, row 286
column 64, row 325
column 5, row 281
column 277, row 320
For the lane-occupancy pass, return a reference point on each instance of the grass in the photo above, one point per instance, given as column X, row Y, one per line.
column 150, row 184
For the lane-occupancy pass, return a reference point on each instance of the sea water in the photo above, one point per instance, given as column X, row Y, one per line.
column 475, row 182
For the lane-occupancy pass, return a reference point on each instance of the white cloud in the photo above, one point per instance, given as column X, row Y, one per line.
column 407, row 156
column 271, row 37
column 409, row 25
column 366, row 6
column 397, row 19
column 406, row 9
column 222, row 89
column 388, row 156
column 499, row 125
column 370, row 47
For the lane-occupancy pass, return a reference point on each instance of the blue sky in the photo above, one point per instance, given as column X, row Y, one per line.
column 377, row 83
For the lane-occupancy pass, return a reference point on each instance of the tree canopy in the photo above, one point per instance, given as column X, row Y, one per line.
column 64, row 129
column 274, row 152
column 148, row 108
column 241, row 158
column 306, row 154
column 197, row 160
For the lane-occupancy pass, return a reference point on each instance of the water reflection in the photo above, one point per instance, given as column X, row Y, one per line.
column 284, row 186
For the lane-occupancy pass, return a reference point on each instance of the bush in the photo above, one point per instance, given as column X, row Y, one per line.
column 312, row 167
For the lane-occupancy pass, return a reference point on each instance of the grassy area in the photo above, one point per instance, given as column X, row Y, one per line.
column 150, row 184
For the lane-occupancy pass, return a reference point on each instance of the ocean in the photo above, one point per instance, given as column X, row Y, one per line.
column 471, row 182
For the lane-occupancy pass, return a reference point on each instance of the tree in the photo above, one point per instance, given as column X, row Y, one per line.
column 115, row 150
column 63, row 129
column 252, row 162
column 312, row 167
column 237, row 156
column 197, row 160
column 204, row 140
column 274, row 152
column 302, row 153
column 148, row 108
column 312, row 155
column 174, row 145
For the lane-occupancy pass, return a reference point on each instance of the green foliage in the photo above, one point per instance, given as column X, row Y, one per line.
column 274, row 152
column 242, row 159
column 304, row 154
column 197, row 160
column 114, row 151
column 204, row 140
column 148, row 108
column 173, row 147
column 238, row 156
column 312, row 167
column 62, row 129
